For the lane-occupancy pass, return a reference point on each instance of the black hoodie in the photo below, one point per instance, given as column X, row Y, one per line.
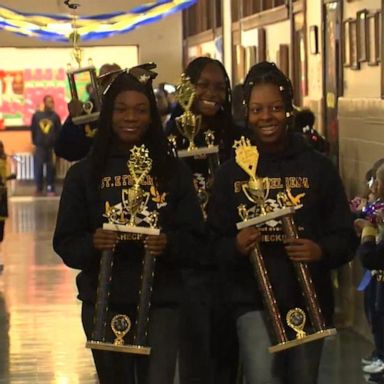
column 81, row 210
column 324, row 217
column 45, row 126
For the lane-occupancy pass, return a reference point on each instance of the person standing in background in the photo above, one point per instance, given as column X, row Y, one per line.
column 4, row 177
column 163, row 106
column 74, row 141
column 44, row 128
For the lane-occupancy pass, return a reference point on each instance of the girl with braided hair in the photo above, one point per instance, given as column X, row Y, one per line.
column 129, row 119
column 326, row 237
column 212, row 101
column 203, row 322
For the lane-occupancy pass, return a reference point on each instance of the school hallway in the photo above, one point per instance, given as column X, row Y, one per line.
column 41, row 339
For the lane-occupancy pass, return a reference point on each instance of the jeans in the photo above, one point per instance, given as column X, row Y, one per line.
column 44, row 156
column 298, row 365
column 123, row 368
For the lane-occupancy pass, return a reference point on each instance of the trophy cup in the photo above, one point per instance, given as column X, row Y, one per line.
column 189, row 125
column 247, row 158
column 122, row 218
column 82, row 110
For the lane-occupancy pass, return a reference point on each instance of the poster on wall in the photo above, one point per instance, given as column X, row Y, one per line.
column 22, row 93
column 22, row 89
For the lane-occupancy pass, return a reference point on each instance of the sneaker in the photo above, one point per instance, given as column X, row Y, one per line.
column 376, row 367
column 369, row 359
column 377, row 378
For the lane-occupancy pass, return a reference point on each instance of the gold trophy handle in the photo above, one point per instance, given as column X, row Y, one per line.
column 267, row 187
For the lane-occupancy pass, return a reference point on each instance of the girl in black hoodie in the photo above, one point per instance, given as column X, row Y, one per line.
column 324, row 222
column 129, row 117
column 199, row 357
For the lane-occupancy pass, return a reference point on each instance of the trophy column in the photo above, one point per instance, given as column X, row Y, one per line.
column 145, row 294
column 256, row 191
column 263, row 281
column 305, row 279
column 268, row 295
column 103, row 286
column 122, row 218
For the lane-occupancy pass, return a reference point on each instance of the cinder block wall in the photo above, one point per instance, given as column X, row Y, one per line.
column 361, row 136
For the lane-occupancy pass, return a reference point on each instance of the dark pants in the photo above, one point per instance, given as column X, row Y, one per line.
column 377, row 318
column 2, row 225
column 225, row 345
column 122, row 368
column 44, row 156
column 195, row 360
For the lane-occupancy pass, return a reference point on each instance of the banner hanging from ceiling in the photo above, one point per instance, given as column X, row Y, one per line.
column 59, row 28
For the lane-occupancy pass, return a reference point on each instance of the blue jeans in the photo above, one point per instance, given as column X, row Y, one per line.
column 298, row 365
column 44, row 156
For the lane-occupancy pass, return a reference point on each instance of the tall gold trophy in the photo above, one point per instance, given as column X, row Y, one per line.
column 122, row 218
column 83, row 110
column 189, row 124
column 256, row 191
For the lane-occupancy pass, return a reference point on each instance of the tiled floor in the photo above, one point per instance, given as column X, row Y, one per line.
column 41, row 340
column 41, row 337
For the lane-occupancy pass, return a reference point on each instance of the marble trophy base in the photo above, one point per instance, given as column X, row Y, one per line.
column 306, row 339
column 133, row 349
column 131, row 229
column 261, row 219
column 86, row 118
column 199, row 151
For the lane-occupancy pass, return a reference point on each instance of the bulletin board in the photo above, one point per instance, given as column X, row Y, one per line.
column 28, row 74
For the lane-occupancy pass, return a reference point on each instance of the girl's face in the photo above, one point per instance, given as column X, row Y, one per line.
column 211, row 91
column 378, row 189
column 266, row 115
column 131, row 117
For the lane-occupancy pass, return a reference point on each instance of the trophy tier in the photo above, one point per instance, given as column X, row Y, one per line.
column 82, row 69
column 198, row 151
column 131, row 229
column 261, row 219
column 86, row 118
column 126, row 348
column 306, row 339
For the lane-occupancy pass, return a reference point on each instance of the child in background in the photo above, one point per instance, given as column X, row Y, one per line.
column 360, row 204
column 304, row 122
column 371, row 253
column 4, row 176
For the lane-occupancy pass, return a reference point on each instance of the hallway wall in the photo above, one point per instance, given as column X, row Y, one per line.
column 160, row 41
